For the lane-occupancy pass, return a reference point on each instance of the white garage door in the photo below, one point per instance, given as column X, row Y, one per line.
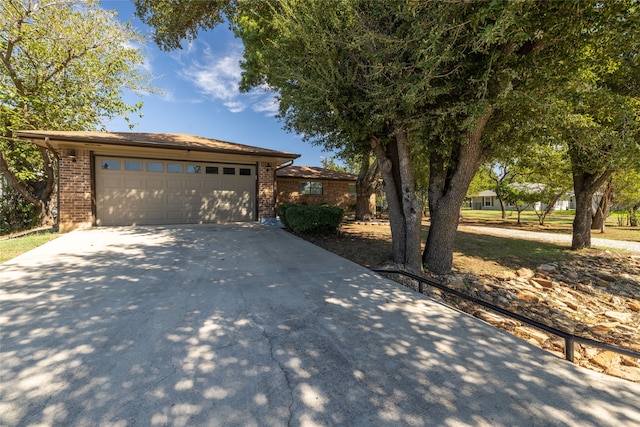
column 147, row 191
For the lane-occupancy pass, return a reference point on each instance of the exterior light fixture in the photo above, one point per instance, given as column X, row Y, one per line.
column 72, row 155
column 268, row 167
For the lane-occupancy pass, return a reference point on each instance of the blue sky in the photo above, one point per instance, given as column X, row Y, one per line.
column 200, row 95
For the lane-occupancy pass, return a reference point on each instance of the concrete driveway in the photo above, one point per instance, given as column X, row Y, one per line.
column 248, row 325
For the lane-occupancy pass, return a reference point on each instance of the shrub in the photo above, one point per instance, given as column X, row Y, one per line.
column 16, row 214
column 281, row 212
column 313, row 219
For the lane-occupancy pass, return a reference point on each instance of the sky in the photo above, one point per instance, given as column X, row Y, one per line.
column 200, row 96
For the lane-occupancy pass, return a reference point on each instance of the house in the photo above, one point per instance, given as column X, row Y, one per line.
column 488, row 200
column 316, row 186
column 124, row 178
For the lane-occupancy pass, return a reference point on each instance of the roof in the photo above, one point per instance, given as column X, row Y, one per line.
column 485, row 193
column 312, row 172
column 154, row 140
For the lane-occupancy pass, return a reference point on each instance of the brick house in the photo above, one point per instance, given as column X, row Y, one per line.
column 316, row 186
column 125, row 178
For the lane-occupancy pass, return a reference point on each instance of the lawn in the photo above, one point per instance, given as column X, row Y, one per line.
column 12, row 247
column 370, row 246
column 557, row 222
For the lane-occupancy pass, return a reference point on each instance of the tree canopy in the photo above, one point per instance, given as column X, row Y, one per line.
column 417, row 82
column 64, row 66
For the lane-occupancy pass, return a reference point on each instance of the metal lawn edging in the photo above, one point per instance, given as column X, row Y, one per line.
column 569, row 339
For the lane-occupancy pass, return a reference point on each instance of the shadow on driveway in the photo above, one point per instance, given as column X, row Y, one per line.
column 249, row 325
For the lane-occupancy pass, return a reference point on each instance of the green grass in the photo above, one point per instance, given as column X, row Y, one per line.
column 490, row 254
column 11, row 248
column 557, row 222
column 556, row 218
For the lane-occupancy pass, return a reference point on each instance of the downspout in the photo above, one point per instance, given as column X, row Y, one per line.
column 286, row 165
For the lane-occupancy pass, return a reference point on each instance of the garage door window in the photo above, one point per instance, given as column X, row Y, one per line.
column 229, row 171
column 132, row 166
column 193, row 169
column 245, row 171
column 154, row 167
column 211, row 170
column 111, row 164
column 174, row 168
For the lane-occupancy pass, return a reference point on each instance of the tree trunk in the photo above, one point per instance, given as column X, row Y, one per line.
column 365, row 187
column 405, row 209
column 585, row 185
column 447, row 189
column 502, row 208
column 39, row 194
column 599, row 218
column 582, row 221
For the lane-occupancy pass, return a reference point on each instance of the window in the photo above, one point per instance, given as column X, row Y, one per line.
column 488, row 201
column 193, row 169
column 245, row 171
column 311, row 188
column 111, row 164
column 352, row 188
column 154, row 167
column 229, row 171
column 174, row 167
column 130, row 165
column 211, row 170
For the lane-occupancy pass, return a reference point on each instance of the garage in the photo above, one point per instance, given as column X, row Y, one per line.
column 133, row 178
column 149, row 191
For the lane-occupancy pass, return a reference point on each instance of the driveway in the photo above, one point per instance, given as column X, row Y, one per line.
column 248, row 325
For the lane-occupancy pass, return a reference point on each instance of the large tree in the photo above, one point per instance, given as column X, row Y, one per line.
column 414, row 80
column 64, row 66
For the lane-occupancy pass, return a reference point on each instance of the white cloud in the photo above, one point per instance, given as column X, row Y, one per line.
column 235, row 106
column 267, row 103
column 218, row 77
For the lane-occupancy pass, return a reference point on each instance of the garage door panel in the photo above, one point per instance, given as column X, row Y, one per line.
column 175, row 182
column 153, row 183
column 155, row 195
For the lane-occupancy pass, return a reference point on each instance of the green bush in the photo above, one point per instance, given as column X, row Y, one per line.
column 304, row 219
column 16, row 214
column 281, row 212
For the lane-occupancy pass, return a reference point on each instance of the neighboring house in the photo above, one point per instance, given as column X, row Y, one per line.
column 488, row 200
column 316, row 186
column 124, row 178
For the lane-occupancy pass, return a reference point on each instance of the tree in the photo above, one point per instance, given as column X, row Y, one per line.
column 603, row 207
column 522, row 196
column 414, row 80
column 551, row 172
column 64, row 67
column 502, row 174
column 626, row 187
column 366, row 185
column 600, row 109
column 603, row 130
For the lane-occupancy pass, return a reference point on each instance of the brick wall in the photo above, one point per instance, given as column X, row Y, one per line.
column 266, row 194
column 333, row 193
column 74, row 209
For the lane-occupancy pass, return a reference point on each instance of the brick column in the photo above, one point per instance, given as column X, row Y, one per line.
column 74, row 209
column 266, row 190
